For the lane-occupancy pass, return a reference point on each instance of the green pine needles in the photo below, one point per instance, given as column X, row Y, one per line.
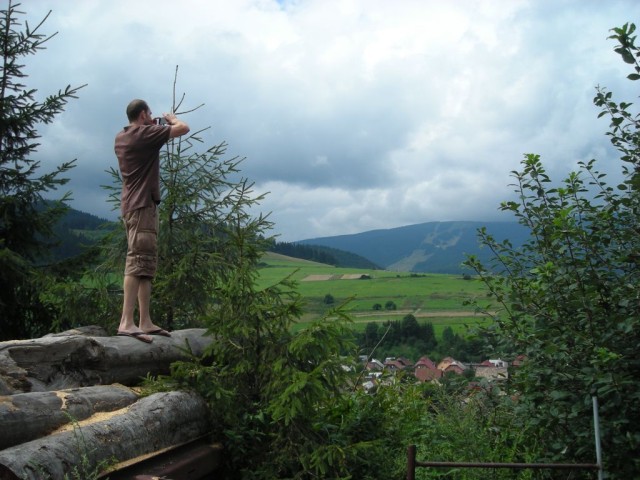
column 26, row 220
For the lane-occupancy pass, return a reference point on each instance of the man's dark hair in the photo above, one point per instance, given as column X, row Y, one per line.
column 135, row 108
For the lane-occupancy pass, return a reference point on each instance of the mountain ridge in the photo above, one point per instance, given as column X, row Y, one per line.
column 430, row 247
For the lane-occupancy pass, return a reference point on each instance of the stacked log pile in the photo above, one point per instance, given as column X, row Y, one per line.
column 68, row 402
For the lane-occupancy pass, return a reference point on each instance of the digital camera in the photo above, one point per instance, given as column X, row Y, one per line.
column 160, row 121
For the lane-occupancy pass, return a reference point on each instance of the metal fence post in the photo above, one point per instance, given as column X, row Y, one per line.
column 411, row 462
column 596, row 428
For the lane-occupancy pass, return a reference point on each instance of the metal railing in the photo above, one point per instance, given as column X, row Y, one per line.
column 412, row 463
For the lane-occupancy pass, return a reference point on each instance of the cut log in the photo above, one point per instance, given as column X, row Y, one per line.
column 27, row 416
column 87, row 331
column 70, row 361
column 157, row 422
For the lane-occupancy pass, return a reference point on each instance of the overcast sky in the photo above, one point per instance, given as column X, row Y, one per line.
column 354, row 114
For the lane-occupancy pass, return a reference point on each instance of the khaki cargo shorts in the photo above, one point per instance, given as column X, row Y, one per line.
column 142, row 242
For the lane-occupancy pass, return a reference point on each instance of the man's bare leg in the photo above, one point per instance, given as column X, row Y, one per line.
column 144, row 301
column 132, row 287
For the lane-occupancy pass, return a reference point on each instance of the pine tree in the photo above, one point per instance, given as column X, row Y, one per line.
column 26, row 221
column 203, row 199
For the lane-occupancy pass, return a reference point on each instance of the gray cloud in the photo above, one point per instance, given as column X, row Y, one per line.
column 354, row 115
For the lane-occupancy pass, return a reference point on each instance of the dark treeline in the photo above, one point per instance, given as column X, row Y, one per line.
column 412, row 339
column 327, row 255
column 77, row 230
column 74, row 232
column 75, row 219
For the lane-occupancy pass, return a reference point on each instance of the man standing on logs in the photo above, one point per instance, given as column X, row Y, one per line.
column 137, row 147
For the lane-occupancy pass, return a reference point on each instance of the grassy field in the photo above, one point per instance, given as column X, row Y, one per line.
column 436, row 298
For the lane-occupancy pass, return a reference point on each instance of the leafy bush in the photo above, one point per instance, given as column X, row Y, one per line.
column 569, row 296
column 455, row 424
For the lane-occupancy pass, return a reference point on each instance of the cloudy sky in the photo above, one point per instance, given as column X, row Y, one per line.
column 354, row 114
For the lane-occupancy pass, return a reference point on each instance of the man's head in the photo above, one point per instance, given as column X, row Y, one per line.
column 136, row 108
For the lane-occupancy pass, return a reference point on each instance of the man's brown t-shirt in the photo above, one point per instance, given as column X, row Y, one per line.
column 138, row 150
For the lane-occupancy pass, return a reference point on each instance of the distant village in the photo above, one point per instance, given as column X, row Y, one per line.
column 425, row 370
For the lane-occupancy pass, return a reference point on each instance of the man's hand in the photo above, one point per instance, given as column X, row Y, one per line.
column 178, row 127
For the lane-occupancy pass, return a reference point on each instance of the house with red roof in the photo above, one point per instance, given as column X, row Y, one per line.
column 425, row 370
column 449, row 364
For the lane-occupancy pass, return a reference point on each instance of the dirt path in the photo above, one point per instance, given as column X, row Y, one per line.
column 420, row 314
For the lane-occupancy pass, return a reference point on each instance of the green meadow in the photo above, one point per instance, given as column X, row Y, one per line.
column 436, row 298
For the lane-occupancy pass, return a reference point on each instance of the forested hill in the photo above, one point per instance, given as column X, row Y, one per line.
column 435, row 247
column 78, row 229
column 75, row 231
column 323, row 254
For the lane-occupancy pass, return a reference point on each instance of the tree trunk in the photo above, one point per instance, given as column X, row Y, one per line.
column 157, row 422
column 76, row 360
column 27, row 416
